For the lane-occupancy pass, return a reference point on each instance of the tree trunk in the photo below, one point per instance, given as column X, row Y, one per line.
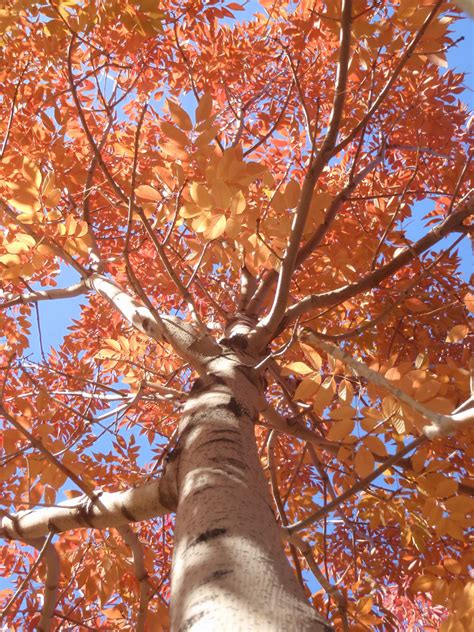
column 229, row 568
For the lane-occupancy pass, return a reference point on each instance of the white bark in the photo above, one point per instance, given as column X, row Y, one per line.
column 229, row 569
column 111, row 510
column 193, row 346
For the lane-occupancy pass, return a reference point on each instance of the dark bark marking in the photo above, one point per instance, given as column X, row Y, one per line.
column 236, row 341
column 52, row 528
column 173, row 454
column 197, row 387
column 226, row 431
column 188, row 624
column 84, row 513
column 238, row 409
column 146, row 323
column 16, row 525
column 210, row 534
column 216, row 575
column 128, row 514
column 221, row 440
column 217, row 379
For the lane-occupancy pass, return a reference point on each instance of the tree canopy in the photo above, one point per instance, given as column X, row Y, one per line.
column 302, row 171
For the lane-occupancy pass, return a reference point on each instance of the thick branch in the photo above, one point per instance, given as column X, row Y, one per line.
column 326, row 299
column 113, row 509
column 42, row 295
column 51, row 585
column 268, row 325
column 191, row 345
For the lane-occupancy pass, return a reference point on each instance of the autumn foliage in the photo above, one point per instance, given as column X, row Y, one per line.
column 216, row 167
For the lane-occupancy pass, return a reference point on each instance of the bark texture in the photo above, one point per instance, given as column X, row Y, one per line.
column 229, row 569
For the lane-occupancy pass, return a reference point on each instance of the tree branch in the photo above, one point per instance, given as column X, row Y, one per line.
column 42, row 295
column 440, row 424
column 131, row 539
column 190, row 344
column 394, row 76
column 51, row 585
column 332, row 591
column 266, row 328
column 326, row 299
column 113, row 509
column 362, row 484
column 295, row 429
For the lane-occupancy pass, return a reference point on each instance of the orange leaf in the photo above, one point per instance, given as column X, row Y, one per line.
column 364, row 462
column 146, row 192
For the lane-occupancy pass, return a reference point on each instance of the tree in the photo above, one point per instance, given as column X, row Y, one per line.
column 263, row 347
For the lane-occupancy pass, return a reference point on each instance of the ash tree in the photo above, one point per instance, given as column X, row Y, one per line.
column 260, row 418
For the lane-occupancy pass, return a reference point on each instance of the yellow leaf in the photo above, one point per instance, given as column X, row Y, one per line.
column 216, row 227
column 320, row 201
column 10, row 259
column 16, row 247
column 324, row 396
column 297, row 367
column 364, row 462
column 306, row 388
column 364, row 605
column 189, row 210
column 452, row 566
column 340, row 429
column 418, row 460
column 292, row 193
column 200, row 195
column 438, row 60
column 174, row 150
column 312, row 356
column 106, row 354
column 343, row 412
column 71, row 225
column 427, row 390
column 179, row 116
column 112, row 613
column 457, row 333
column 221, row 193
column 238, row 203
column 469, row 301
column 233, row 227
column 26, row 239
column 393, row 374
column 201, row 222
column 447, row 487
column 415, row 305
column 24, row 199
column 423, row 583
column 113, row 343
column 31, row 173
column 460, row 504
